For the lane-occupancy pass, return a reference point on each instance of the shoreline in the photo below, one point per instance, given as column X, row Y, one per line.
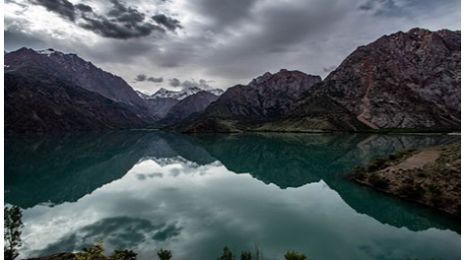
column 429, row 176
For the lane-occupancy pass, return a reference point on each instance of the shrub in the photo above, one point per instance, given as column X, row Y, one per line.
column 411, row 191
column 123, row 255
column 292, row 255
column 94, row 252
column 359, row 173
column 12, row 231
column 164, row 254
column 434, row 189
column 438, row 201
column 378, row 182
column 376, row 165
column 226, row 254
column 246, row 255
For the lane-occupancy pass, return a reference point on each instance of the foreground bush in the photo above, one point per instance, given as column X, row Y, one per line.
column 292, row 255
column 12, row 231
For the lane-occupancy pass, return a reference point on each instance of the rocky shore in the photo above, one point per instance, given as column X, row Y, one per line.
column 429, row 176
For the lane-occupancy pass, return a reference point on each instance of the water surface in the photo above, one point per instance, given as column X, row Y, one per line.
column 196, row 194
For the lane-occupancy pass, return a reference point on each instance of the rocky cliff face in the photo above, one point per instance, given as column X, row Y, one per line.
column 405, row 80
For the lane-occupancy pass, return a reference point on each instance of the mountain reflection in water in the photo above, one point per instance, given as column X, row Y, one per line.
column 195, row 194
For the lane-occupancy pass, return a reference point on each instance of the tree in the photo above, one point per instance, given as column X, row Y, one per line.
column 292, row 255
column 12, row 231
column 164, row 254
column 94, row 252
column 226, row 254
column 246, row 255
column 123, row 255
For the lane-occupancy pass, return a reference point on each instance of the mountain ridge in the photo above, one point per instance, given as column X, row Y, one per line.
column 405, row 81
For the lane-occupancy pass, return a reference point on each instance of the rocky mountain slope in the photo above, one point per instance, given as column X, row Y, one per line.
column 266, row 98
column 52, row 91
column 401, row 81
column 44, row 103
column 195, row 103
column 71, row 68
column 408, row 81
column 158, row 106
column 161, row 102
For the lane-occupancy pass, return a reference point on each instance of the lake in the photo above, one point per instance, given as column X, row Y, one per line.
column 196, row 194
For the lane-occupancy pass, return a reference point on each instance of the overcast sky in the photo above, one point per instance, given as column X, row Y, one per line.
column 171, row 43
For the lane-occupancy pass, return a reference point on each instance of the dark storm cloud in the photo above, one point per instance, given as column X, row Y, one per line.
column 175, row 82
column 203, row 84
column 223, row 13
column 230, row 41
column 84, row 8
column 383, row 7
column 167, row 22
column 155, row 80
column 61, row 7
column 402, row 8
column 143, row 77
column 120, row 22
column 109, row 28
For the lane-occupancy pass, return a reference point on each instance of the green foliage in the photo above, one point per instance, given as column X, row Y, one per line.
column 123, row 255
column 164, row 254
column 12, row 231
column 94, row 252
column 226, row 254
column 292, row 255
column 246, row 255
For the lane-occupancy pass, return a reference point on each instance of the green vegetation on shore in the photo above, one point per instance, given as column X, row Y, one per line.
column 96, row 252
column 12, row 239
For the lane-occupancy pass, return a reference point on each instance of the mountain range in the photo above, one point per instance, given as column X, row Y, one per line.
column 407, row 81
column 162, row 101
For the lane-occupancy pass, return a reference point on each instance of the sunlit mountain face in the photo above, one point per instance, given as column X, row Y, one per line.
column 197, row 194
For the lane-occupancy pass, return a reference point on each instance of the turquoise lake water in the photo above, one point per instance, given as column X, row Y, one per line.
column 196, row 194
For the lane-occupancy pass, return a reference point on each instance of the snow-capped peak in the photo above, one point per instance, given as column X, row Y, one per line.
column 183, row 93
